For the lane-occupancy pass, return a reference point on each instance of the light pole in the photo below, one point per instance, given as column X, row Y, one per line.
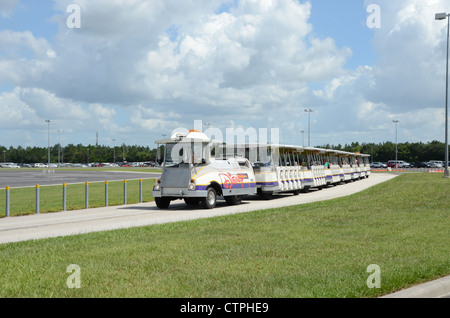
column 59, row 149
column 443, row 16
column 396, row 144
column 114, row 151
column 48, row 145
column 309, row 111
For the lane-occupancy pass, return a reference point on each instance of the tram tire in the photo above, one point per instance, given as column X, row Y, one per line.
column 233, row 199
column 210, row 201
column 266, row 195
column 162, row 203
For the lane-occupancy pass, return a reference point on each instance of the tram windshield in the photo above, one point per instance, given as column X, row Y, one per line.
column 179, row 154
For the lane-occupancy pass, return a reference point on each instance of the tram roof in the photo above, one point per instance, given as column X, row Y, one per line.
column 295, row 147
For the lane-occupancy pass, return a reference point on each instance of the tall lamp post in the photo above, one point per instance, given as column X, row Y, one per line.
column 59, row 149
column 114, row 152
column 309, row 111
column 396, row 143
column 443, row 16
column 48, row 145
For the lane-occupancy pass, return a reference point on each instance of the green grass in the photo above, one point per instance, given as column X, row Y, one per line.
column 23, row 200
column 313, row 250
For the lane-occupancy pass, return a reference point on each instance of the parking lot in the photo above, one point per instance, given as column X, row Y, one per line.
column 32, row 177
column 422, row 166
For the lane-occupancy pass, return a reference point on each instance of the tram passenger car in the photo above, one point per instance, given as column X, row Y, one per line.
column 295, row 169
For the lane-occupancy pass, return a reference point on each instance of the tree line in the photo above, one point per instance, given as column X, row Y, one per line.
column 410, row 152
column 78, row 154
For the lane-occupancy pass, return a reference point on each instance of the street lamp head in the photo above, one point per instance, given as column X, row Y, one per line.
column 441, row 16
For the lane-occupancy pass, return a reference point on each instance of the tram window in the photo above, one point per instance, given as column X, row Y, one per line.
column 243, row 164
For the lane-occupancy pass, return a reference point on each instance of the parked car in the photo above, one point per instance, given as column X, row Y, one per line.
column 436, row 164
column 421, row 164
column 378, row 165
column 9, row 165
column 39, row 165
column 398, row 164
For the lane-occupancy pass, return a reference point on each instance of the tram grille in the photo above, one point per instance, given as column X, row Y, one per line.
column 176, row 177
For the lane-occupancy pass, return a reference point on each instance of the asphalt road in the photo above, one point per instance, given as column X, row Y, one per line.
column 32, row 177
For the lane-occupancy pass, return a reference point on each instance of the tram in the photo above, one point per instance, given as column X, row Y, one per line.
column 197, row 170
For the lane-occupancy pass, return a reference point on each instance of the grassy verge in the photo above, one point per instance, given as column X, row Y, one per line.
column 313, row 250
column 23, row 200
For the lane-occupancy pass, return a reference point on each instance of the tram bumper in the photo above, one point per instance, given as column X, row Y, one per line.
column 178, row 193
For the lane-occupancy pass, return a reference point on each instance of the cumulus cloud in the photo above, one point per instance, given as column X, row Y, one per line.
column 162, row 54
column 25, row 110
column 406, row 83
column 151, row 66
column 410, row 71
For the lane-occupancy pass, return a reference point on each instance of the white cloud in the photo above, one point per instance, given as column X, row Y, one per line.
column 407, row 82
column 25, row 110
column 150, row 66
column 410, row 70
column 7, row 7
column 254, row 44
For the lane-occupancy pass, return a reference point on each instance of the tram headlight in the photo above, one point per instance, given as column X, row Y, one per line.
column 191, row 185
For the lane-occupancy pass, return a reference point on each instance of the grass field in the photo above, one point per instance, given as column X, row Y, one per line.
column 312, row 250
column 23, row 200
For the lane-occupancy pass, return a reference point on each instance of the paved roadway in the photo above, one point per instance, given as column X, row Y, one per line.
column 32, row 177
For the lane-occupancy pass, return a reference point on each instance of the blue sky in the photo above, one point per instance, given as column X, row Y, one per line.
column 345, row 22
column 138, row 69
column 34, row 16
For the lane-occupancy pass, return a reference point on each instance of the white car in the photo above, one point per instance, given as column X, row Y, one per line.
column 9, row 165
column 39, row 165
column 436, row 164
column 378, row 165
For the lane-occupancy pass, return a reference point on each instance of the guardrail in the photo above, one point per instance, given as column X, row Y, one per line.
column 86, row 195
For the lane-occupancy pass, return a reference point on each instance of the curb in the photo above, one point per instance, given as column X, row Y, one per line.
column 439, row 288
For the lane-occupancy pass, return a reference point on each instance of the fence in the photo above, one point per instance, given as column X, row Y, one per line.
column 56, row 198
